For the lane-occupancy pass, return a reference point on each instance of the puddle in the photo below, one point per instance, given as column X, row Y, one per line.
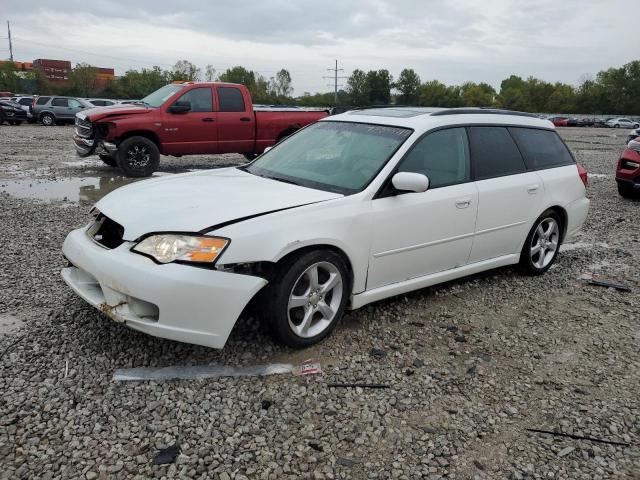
column 74, row 189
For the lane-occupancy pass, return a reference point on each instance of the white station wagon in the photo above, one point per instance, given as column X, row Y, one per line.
column 350, row 210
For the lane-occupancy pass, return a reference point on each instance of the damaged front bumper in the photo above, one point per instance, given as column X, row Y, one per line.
column 87, row 139
column 173, row 301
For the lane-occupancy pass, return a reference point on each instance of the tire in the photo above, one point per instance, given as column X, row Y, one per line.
column 250, row 156
column 636, row 125
column 616, row 126
column 15, row 122
column 627, row 191
column 109, row 160
column 293, row 283
column 138, row 157
column 47, row 119
column 540, row 249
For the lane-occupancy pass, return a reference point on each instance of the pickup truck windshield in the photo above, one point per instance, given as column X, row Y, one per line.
column 161, row 95
column 335, row 156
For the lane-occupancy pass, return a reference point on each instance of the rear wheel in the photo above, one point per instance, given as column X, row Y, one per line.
column 627, row 191
column 617, row 125
column 307, row 297
column 541, row 247
column 15, row 122
column 138, row 157
column 109, row 160
column 47, row 120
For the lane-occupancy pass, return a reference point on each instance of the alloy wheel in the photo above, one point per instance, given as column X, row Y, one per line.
column 545, row 242
column 138, row 156
column 315, row 299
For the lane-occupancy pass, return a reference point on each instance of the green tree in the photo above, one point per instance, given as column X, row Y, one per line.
column 136, row 84
column 186, row 71
column 379, row 86
column 210, row 74
column 563, row 99
column 477, row 94
column 9, row 80
column 437, row 94
column 280, row 85
column 408, row 84
column 358, row 88
column 83, row 79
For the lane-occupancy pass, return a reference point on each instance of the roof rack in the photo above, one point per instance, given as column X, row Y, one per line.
column 481, row 111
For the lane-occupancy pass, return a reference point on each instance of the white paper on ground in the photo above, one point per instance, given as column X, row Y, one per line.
column 198, row 372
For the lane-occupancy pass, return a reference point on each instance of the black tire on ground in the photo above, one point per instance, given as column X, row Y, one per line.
column 250, row 156
column 286, row 279
column 627, row 191
column 15, row 122
column 616, row 126
column 109, row 160
column 138, row 157
column 47, row 119
column 527, row 265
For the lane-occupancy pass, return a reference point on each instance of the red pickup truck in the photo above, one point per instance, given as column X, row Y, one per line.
column 184, row 119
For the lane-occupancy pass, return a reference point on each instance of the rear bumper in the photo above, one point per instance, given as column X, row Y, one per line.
column 576, row 215
column 177, row 302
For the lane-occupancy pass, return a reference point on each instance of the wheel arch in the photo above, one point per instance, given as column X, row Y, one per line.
column 46, row 112
column 564, row 218
column 142, row 133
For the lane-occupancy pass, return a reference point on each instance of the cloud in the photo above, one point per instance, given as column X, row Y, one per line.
column 450, row 41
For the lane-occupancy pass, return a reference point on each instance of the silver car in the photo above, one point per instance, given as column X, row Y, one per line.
column 50, row 110
column 622, row 122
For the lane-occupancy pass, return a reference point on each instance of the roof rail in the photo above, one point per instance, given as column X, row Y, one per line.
column 481, row 111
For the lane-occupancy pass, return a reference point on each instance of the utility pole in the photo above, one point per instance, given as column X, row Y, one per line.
column 10, row 46
column 335, row 81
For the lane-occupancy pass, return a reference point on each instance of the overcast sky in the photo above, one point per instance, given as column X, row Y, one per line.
column 557, row 40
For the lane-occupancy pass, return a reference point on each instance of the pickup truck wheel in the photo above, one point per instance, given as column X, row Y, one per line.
column 138, row 157
column 47, row 120
column 109, row 160
column 307, row 297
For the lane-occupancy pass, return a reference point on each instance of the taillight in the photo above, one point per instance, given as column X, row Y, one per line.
column 583, row 175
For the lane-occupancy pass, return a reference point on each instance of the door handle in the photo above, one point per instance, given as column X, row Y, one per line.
column 208, row 119
column 464, row 203
column 533, row 189
column 245, row 119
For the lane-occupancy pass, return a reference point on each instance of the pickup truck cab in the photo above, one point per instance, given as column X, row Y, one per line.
column 184, row 119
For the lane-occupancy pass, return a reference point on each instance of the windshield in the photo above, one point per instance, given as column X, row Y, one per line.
column 161, row 95
column 335, row 156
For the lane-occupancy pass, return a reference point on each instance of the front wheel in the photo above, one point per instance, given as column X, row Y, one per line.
column 627, row 191
column 138, row 157
column 15, row 122
column 616, row 125
column 307, row 297
column 541, row 247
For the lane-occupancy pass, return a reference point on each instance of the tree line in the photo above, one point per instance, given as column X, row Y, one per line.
column 611, row 91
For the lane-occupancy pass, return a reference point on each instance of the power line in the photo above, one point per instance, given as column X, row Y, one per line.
column 335, row 81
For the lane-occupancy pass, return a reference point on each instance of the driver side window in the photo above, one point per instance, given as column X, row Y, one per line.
column 201, row 99
column 443, row 156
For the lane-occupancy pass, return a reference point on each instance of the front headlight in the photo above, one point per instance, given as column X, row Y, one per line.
column 169, row 247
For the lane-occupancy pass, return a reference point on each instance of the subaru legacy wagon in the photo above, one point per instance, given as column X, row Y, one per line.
column 347, row 211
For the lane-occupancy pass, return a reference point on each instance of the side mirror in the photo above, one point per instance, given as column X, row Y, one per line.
column 180, row 107
column 410, row 182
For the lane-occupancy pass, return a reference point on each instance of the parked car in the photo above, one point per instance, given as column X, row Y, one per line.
column 347, row 211
column 628, row 171
column 11, row 112
column 184, row 119
column 558, row 121
column 49, row 110
column 99, row 102
column 633, row 134
column 25, row 101
column 622, row 122
column 6, row 94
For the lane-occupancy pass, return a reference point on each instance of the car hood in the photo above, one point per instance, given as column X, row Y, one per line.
column 192, row 202
column 98, row 113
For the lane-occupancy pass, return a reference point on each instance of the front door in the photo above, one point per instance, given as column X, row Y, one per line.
column 417, row 234
column 195, row 131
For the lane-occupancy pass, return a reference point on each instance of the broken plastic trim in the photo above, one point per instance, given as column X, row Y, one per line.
column 254, row 269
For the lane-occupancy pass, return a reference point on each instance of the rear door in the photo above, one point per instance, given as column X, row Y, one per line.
column 510, row 197
column 236, row 125
column 417, row 234
column 195, row 131
column 74, row 107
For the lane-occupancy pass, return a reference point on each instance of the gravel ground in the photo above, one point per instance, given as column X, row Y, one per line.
column 471, row 365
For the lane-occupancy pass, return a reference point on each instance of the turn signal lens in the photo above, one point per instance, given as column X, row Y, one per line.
column 167, row 248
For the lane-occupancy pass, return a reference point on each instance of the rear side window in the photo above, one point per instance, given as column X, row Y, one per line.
column 42, row 100
column 541, row 148
column 494, row 153
column 60, row 102
column 443, row 156
column 230, row 99
column 25, row 101
column 201, row 99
